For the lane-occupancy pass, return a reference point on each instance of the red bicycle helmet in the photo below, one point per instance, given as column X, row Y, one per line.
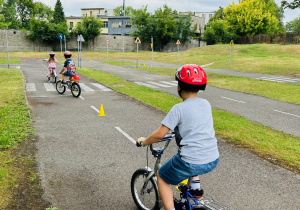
column 191, row 77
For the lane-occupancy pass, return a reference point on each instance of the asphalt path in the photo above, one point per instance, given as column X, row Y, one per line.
column 276, row 114
column 85, row 162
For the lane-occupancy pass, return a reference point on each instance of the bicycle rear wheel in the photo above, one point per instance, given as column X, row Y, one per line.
column 75, row 89
column 144, row 198
column 60, row 87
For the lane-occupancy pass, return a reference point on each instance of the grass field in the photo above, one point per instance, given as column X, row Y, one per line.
column 258, row 58
column 11, row 61
column 274, row 90
column 280, row 148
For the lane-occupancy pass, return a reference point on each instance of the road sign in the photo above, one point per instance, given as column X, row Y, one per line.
column 178, row 42
column 151, row 45
column 80, row 38
column 231, row 43
column 60, row 36
column 107, row 41
column 138, row 41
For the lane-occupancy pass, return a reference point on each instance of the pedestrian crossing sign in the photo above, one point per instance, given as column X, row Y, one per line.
column 231, row 43
column 138, row 41
column 178, row 42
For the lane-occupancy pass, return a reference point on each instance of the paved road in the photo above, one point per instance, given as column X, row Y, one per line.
column 86, row 163
column 279, row 115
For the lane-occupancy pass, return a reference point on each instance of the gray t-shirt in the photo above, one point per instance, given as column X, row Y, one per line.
column 194, row 132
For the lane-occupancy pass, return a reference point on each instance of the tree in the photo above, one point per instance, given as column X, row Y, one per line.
column 293, row 5
column 276, row 11
column 10, row 14
column 41, row 11
column 58, row 15
column 250, row 17
column 24, row 10
column 293, row 26
column 89, row 28
column 164, row 25
column 128, row 10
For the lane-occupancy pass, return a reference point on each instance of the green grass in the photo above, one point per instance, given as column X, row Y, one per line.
column 14, row 116
column 11, row 61
column 271, row 59
column 281, row 148
column 274, row 90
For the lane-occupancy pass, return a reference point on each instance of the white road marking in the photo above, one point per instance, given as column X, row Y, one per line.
column 49, row 87
column 126, row 135
column 286, row 113
column 86, row 88
column 233, row 99
column 133, row 74
column 279, row 79
column 148, row 78
column 94, row 108
column 169, row 83
column 207, row 64
column 146, row 85
column 30, row 87
column 18, row 67
column 158, row 84
column 101, row 87
column 81, row 98
column 176, row 82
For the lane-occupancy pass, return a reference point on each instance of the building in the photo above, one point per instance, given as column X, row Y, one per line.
column 205, row 15
column 112, row 25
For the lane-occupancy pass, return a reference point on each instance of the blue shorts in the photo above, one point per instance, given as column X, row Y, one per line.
column 175, row 170
column 68, row 73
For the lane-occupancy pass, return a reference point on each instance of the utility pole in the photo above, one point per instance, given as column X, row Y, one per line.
column 123, row 12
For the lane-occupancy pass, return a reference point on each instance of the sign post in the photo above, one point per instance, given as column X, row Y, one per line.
column 80, row 39
column 60, row 36
column 231, row 44
column 65, row 43
column 107, row 43
column 7, row 48
column 152, row 48
column 178, row 43
column 137, row 41
column 123, row 52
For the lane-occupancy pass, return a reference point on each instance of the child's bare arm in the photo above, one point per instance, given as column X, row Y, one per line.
column 62, row 70
column 155, row 136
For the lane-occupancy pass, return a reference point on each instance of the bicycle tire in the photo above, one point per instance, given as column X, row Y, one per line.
column 148, row 199
column 75, row 89
column 60, row 87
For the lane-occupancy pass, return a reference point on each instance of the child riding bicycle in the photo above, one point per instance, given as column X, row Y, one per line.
column 69, row 66
column 194, row 133
column 51, row 65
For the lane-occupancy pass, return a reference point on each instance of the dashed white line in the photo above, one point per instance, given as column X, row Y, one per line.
column 49, row 87
column 286, row 113
column 233, row 99
column 86, row 88
column 81, row 98
column 169, row 83
column 101, row 87
column 94, row 108
column 158, row 84
column 126, row 135
column 148, row 78
column 146, row 85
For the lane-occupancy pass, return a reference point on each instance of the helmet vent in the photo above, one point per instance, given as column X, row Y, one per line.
column 196, row 71
column 188, row 73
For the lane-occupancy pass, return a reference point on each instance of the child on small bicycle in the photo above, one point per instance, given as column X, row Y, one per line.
column 69, row 66
column 51, row 65
column 192, row 123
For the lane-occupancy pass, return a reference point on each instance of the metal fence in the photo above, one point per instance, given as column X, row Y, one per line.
column 285, row 38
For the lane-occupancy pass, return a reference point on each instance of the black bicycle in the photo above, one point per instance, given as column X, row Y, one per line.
column 72, row 84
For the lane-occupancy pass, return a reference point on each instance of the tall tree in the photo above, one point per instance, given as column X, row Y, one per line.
column 89, row 28
column 42, row 11
column 58, row 15
column 293, row 26
column 293, row 5
column 24, row 10
column 128, row 10
column 10, row 14
column 250, row 17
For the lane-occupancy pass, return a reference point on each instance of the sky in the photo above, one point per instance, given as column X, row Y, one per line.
column 73, row 7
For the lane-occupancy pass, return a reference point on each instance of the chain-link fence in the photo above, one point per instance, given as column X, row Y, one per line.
column 285, row 38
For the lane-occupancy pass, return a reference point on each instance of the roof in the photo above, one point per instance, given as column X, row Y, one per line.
column 91, row 8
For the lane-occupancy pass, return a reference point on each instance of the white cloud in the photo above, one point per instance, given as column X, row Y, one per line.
column 72, row 7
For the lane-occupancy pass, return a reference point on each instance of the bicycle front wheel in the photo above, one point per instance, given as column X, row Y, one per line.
column 75, row 89
column 145, row 197
column 60, row 87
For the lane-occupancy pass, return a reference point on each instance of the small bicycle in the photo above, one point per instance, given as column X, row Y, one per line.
column 145, row 192
column 53, row 75
column 72, row 84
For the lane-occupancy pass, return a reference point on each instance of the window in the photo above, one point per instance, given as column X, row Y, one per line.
column 203, row 15
column 127, row 24
column 91, row 14
column 105, row 24
column 71, row 25
column 210, row 15
column 116, row 24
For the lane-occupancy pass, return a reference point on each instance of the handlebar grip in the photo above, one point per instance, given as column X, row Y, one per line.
column 137, row 144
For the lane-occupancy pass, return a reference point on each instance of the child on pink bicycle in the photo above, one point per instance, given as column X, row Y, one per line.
column 51, row 65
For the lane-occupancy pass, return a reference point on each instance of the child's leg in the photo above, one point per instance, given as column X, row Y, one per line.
column 48, row 74
column 54, row 72
column 166, row 193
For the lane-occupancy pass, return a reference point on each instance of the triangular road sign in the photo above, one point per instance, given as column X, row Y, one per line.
column 138, row 41
column 231, row 43
column 178, row 42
